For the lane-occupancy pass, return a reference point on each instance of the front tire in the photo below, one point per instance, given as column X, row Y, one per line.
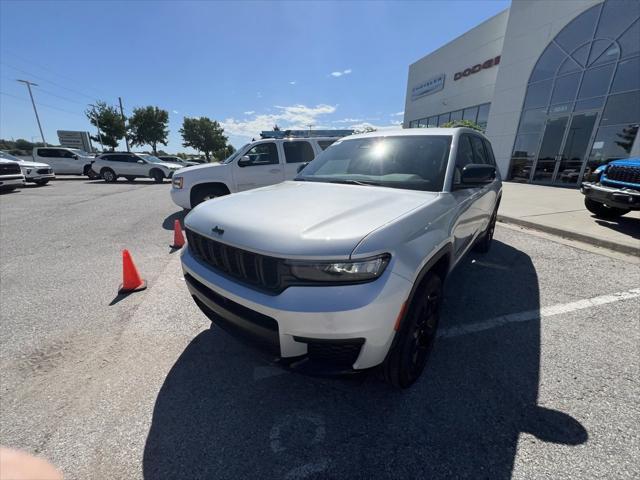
column 204, row 193
column 157, row 176
column 109, row 175
column 603, row 211
column 414, row 342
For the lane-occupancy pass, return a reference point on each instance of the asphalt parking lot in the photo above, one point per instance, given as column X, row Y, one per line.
column 535, row 373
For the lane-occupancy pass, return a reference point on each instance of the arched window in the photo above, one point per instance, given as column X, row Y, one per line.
column 582, row 105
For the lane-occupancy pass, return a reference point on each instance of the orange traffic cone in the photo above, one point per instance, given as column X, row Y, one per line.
column 178, row 238
column 131, row 281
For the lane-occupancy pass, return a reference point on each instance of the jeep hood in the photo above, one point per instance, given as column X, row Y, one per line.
column 303, row 219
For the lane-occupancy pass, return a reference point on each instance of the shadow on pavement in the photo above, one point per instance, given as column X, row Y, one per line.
column 224, row 413
column 625, row 225
column 169, row 221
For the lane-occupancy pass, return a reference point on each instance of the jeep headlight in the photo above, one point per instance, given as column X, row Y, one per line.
column 340, row 272
column 177, row 182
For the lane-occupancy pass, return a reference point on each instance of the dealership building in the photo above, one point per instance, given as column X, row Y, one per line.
column 554, row 84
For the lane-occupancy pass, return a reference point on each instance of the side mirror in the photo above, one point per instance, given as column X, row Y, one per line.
column 140, row 161
column 75, row 157
column 301, row 166
column 244, row 161
column 476, row 174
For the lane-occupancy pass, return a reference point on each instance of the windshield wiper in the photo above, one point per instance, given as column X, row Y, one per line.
column 355, row 182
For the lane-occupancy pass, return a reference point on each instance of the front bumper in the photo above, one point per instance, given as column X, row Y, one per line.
column 625, row 198
column 11, row 181
column 35, row 177
column 345, row 327
column 181, row 197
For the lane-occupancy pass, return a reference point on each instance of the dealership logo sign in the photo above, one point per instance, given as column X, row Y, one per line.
column 492, row 62
column 432, row 85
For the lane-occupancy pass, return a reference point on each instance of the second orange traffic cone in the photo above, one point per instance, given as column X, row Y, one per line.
column 131, row 280
column 178, row 238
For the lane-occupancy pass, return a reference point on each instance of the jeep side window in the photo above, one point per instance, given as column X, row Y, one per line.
column 464, row 157
column 490, row 156
column 298, row 152
column 479, row 153
column 263, row 154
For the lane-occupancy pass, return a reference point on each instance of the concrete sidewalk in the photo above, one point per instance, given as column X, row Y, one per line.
column 561, row 211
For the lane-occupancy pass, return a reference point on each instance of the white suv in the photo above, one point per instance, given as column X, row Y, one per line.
column 68, row 161
column 35, row 172
column 343, row 268
column 110, row 166
column 260, row 163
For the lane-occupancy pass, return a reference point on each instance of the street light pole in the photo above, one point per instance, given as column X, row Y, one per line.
column 97, row 125
column 28, row 84
column 126, row 140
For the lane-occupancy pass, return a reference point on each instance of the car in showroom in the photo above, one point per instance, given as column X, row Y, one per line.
column 178, row 160
column 615, row 190
column 257, row 164
column 65, row 161
column 11, row 176
column 34, row 172
column 111, row 166
column 342, row 269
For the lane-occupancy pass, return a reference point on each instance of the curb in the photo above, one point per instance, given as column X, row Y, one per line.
column 598, row 242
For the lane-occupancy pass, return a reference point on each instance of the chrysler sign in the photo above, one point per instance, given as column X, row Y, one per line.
column 432, row 85
column 492, row 62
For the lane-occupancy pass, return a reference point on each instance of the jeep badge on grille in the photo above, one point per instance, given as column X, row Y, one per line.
column 217, row 230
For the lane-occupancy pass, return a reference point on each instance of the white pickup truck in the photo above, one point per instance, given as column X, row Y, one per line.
column 257, row 164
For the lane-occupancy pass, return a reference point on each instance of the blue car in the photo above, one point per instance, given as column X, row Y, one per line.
column 616, row 189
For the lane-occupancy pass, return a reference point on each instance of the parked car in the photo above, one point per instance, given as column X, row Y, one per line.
column 11, row 176
column 38, row 173
column 343, row 268
column 178, row 160
column 615, row 190
column 257, row 164
column 67, row 161
column 110, row 166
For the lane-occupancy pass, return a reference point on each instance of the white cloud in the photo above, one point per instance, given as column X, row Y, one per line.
column 293, row 82
column 397, row 114
column 362, row 125
column 175, row 111
column 341, row 73
column 349, row 120
column 287, row 117
column 249, row 112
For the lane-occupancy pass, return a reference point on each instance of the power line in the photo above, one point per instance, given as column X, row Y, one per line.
column 48, row 81
column 41, row 104
column 42, row 67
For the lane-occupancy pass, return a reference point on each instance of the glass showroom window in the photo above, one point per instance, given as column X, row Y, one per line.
column 588, row 75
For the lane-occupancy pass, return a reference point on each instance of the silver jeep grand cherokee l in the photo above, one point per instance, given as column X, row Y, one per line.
column 342, row 269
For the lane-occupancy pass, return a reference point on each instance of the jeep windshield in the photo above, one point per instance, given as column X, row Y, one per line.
column 409, row 162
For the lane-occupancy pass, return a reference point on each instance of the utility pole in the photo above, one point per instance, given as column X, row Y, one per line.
column 97, row 125
column 126, row 140
column 28, row 84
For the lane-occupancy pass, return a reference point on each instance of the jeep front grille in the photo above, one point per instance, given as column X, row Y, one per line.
column 623, row 173
column 258, row 271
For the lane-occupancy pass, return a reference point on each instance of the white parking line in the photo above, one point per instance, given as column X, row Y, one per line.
column 538, row 313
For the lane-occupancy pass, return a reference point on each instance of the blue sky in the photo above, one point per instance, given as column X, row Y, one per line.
column 246, row 64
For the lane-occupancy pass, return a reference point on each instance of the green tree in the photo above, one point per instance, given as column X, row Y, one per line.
column 149, row 126
column 224, row 152
column 203, row 134
column 463, row 123
column 22, row 144
column 111, row 126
